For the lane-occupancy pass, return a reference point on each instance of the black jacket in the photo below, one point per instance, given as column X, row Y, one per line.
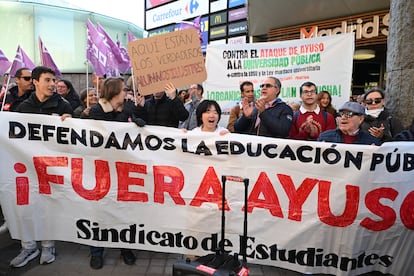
column 165, row 112
column 392, row 126
column 54, row 105
column 12, row 100
column 275, row 121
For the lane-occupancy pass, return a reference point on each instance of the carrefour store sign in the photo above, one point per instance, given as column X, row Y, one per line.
column 175, row 12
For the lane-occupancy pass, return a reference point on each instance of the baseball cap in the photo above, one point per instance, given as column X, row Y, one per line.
column 353, row 107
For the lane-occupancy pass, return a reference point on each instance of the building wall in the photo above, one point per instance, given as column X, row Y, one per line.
column 62, row 30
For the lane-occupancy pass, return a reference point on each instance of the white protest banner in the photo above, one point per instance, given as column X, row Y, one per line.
column 325, row 61
column 172, row 57
column 315, row 207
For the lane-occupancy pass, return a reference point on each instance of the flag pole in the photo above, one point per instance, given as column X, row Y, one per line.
column 87, row 82
column 133, row 86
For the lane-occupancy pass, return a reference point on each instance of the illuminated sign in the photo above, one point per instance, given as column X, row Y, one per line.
column 175, row 12
column 154, row 3
column 238, row 28
column 218, row 32
column 369, row 29
column 235, row 3
column 238, row 14
column 218, row 18
column 218, row 5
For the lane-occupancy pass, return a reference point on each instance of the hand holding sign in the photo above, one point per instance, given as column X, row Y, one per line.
column 170, row 90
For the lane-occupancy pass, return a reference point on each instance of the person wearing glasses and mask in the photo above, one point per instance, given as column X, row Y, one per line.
column 20, row 92
column 379, row 122
column 350, row 118
column 268, row 116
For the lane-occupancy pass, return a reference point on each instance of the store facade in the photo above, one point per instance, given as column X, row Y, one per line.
column 371, row 32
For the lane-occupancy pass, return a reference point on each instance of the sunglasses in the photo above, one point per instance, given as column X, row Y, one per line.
column 348, row 114
column 373, row 101
column 26, row 78
column 267, row 85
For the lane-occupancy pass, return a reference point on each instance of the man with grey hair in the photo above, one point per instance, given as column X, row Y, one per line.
column 351, row 116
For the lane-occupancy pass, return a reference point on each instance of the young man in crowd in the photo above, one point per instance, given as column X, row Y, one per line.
column 310, row 121
column 43, row 101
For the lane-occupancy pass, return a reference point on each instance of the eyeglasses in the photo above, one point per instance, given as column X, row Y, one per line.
column 267, row 85
column 348, row 114
column 309, row 92
column 61, row 86
column 26, row 78
column 373, row 101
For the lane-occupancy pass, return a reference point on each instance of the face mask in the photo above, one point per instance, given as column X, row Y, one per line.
column 374, row 112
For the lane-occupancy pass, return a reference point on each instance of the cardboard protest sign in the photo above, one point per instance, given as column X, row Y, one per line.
column 173, row 57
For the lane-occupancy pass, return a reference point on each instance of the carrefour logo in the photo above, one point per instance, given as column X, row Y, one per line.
column 175, row 12
column 191, row 7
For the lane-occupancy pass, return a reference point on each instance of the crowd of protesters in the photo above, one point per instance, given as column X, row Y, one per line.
column 111, row 99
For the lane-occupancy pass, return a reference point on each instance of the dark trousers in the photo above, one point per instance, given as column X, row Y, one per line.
column 98, row 251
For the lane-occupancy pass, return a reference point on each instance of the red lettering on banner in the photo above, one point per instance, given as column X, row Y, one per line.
column 407, row 211
column 102, row 179
column 372, row 201
column 41, row 164
column 124, row 181
column 296, row 196
column 22, row 185
column 210, row 181
column 270, row 201
column 351, row 205
column 173, row 187
column 169, row 179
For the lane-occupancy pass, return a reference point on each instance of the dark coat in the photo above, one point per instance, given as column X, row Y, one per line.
column 54, row 105
column 335, row 136
column 12, row 100
column 275, row 121
column 165, row 112
column 392, row 126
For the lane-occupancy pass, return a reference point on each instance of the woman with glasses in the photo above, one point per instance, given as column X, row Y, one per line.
column 65, row 89
column 379, row 122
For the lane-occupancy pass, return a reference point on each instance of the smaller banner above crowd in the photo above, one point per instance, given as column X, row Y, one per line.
column 326, row 61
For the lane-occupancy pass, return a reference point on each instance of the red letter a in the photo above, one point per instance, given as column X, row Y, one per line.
column 270, row 201
column 210, row 181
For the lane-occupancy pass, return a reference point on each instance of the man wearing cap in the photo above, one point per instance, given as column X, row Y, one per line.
column 351, row 116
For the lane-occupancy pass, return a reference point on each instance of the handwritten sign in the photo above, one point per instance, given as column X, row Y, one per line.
column 173, row 57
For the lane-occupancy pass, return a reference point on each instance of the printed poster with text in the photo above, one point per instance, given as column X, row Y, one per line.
column 326, row 61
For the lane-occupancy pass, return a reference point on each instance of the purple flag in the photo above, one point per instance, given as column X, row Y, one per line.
column 124, row 52
column 114, row 53
column 47, row 58
column 21, row 60
column 131, row 36
column 4, row 63
column 195, row 24
column 96, row 51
